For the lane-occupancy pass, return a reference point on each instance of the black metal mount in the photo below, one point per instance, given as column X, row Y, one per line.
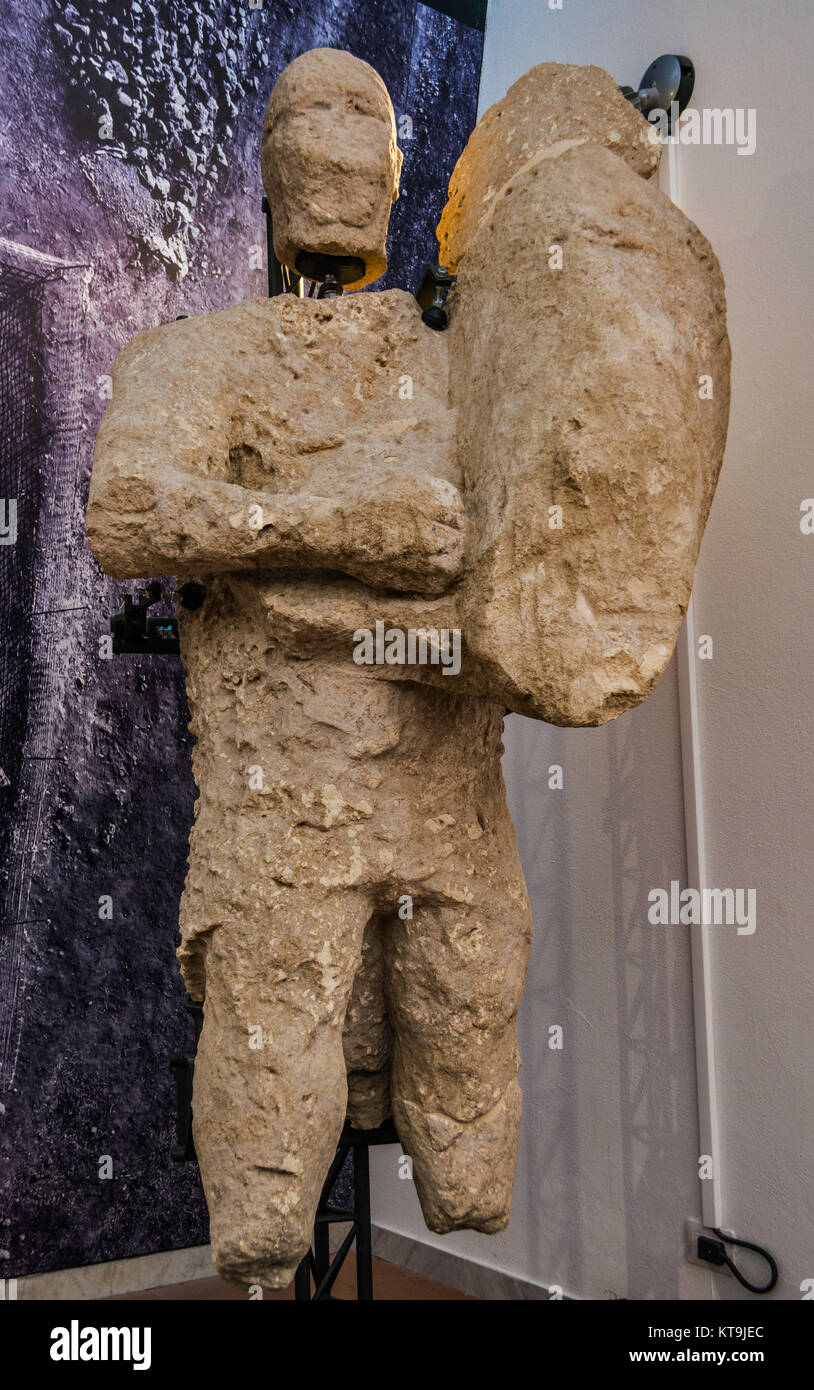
column 332, row 272
column 669, row 79
column 432, row 294
column 137, row 632
column 134, row 630
column 317, row 1271
column 281, row 279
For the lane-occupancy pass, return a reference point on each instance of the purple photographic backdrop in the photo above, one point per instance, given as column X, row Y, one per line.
column 129, row 194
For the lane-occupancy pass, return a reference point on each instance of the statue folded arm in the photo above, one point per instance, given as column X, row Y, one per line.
column 153, row 522
column 161, row 501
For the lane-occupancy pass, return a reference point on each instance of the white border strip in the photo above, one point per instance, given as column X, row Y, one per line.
column 703, row 1013
column 115, row 1277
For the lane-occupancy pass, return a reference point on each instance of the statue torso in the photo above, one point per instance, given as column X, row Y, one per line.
column 319, row 396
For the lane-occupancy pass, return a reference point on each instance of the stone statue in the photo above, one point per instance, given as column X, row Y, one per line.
column 353, row 490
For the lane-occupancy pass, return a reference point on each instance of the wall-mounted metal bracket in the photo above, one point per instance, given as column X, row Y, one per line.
column 669, row 79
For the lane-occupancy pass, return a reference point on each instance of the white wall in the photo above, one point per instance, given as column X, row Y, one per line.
column 608, row 1160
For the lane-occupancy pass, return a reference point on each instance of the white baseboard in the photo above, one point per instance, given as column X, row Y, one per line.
column 118, row 1276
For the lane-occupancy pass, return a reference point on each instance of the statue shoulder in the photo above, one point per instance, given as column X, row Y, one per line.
column 240, row 326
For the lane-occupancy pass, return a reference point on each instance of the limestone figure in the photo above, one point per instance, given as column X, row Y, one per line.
column 538, row 478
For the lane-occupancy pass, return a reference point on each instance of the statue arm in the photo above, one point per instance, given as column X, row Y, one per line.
column 591, row 453
column 162, row 500
column 154, row 520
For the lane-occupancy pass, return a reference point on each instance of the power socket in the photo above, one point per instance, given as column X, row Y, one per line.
column 692, row 1230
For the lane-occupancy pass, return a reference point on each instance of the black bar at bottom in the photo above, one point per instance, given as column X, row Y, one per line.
column 302, row 1279
column 364, row 1246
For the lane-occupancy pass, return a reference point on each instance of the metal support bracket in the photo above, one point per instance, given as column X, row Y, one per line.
column 136, row 632
column 317, row 1265
column 431, row 295
column 667, row 86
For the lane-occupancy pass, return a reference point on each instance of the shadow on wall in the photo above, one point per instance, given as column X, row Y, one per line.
column 608, row 1167
column 546, row 1196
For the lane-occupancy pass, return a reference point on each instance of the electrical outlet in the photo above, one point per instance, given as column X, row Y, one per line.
column 692, row 1230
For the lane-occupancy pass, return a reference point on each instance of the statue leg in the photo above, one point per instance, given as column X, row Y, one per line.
column 454, row 979
column 270, row 1090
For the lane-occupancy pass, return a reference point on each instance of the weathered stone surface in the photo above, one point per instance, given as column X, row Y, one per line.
column 585, row 434
column 372, row 790
column 552, row 104
column 293, row 407
column 329, row 103
column 355, row 916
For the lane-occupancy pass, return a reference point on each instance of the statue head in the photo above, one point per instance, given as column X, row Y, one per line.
column 330, row 162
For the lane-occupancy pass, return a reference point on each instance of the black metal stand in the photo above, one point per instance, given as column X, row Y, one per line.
column 317, row 1264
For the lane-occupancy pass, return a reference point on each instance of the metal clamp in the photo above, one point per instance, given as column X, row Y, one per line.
column 431, row 296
